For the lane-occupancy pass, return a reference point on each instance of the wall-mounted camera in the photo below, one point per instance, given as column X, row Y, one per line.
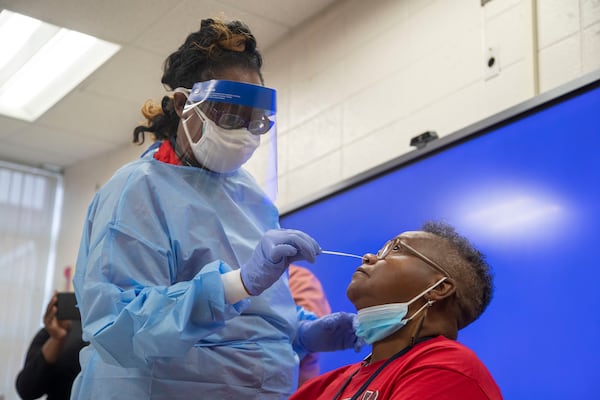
column 421, row 140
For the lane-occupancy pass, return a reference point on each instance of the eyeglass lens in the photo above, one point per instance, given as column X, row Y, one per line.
column 384, row 251
column 231, row 121
column 389, row 245
column 236, row 117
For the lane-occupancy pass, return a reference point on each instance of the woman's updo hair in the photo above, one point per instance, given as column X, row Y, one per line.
column 216, row 47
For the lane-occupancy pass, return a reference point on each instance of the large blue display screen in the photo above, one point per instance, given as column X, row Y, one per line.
column 527, row 192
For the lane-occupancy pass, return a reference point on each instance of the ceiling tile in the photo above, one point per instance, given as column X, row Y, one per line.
column 113, row 20
column 10, row 125
column 133, row 75
column 33, row 156
column 291, row 13
column 188, row 15
column 64, row 148
column 94, row 115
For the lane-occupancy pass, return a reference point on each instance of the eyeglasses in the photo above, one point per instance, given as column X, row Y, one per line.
column 397, row 243
column 256, row 124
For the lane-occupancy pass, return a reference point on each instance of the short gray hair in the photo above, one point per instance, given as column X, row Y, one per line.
column 469, row 269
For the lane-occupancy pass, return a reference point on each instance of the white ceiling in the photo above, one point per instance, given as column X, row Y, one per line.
column 100, row 113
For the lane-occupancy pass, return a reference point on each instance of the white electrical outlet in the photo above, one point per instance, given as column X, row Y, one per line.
column 492, row 63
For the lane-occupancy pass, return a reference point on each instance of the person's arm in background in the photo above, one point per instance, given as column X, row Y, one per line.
column 58, row 331
column 35, row 378
column 308, row 293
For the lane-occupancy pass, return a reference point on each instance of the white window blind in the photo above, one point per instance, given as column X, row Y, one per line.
column 30, row 205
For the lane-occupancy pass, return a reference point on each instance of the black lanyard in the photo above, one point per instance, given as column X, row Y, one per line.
column 374, row 375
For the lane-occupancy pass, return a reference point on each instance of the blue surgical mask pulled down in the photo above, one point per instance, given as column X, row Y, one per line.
column 378, row 322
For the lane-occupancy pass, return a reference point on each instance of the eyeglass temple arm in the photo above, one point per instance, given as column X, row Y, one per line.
column 426, row 259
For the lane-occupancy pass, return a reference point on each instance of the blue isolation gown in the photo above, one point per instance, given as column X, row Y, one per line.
column 156, row 239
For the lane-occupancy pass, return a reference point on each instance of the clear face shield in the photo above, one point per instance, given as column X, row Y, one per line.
column 227, row 123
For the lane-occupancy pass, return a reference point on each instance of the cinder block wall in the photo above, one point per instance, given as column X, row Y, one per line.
column 358, row 81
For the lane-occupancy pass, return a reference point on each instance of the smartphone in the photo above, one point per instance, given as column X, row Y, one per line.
column 67, row 306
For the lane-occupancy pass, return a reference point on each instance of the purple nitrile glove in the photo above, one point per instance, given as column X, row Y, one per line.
column 277, row 249
column 331, row 332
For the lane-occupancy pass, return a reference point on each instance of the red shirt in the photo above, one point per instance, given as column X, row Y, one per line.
column 438, row 368
column 165, row 153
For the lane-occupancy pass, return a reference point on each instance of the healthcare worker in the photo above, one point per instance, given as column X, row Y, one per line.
column 181, row 276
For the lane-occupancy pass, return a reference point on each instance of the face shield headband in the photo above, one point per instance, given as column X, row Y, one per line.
column 235, row 105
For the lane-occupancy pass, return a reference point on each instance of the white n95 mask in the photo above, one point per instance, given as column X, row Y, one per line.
column 221, row 150
column 378, row 322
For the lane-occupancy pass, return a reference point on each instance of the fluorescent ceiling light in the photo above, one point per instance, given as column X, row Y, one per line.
column 41, row 63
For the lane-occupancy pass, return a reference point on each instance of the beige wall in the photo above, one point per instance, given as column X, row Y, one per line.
column 362, row 78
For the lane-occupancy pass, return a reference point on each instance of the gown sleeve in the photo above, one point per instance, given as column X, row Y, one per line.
column 135, row 306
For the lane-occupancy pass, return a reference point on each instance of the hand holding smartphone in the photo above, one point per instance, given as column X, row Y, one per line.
column 67, row 306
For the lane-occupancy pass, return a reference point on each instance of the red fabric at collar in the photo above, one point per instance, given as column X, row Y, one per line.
column 165, row 153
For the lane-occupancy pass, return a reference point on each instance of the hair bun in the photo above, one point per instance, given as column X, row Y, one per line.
column 233, row 43
column 151, row 109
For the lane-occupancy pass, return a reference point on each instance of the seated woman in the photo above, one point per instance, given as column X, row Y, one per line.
column 412, row 298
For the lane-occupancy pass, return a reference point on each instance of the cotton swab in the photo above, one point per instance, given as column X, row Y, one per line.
column 338, row 253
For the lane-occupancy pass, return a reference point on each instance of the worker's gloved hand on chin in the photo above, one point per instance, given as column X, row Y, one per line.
column 331, row 332
column 277, row 249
